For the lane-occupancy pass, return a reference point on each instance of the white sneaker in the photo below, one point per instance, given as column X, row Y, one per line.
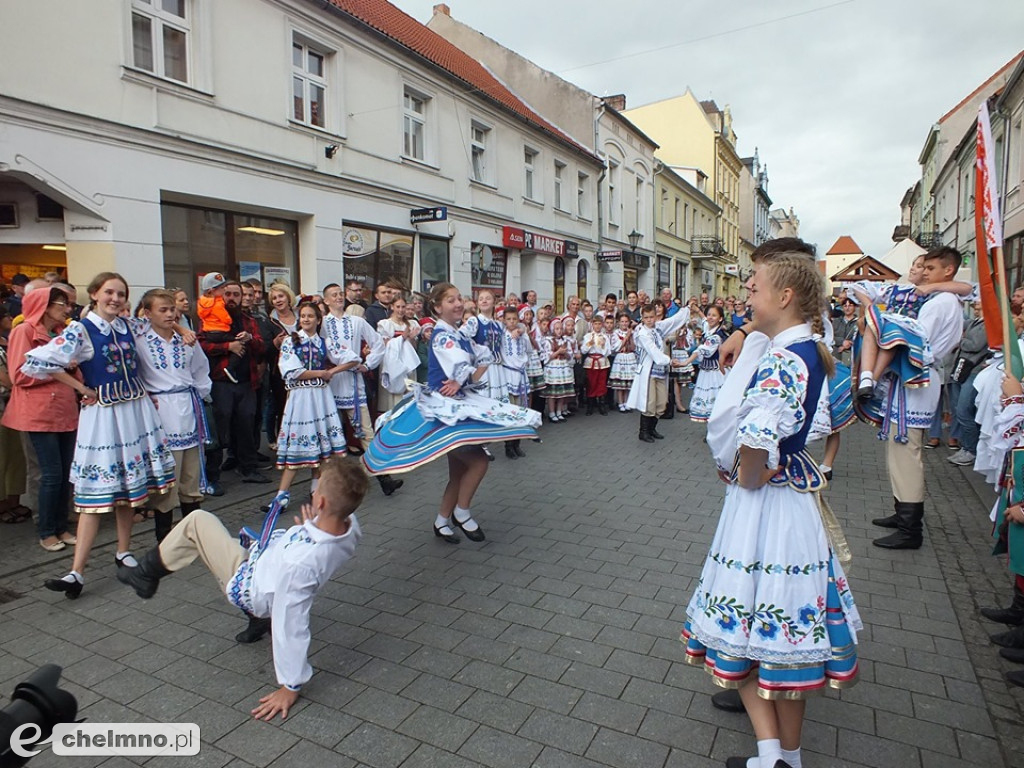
column 962, row 458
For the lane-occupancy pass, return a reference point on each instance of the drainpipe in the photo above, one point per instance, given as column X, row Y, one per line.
column 599, row 197
column 659, row 167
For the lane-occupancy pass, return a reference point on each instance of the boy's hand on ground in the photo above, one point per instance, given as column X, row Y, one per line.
column 280, row 700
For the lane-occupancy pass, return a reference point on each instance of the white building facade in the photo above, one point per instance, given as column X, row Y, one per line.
column 295, row 151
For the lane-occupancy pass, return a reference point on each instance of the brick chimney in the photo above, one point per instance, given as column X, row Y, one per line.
column 616, row 102
column 442, row 8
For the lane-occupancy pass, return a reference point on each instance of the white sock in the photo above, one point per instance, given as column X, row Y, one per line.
column 73, row 577
column 792, row 756
column 441, row 522
column 824, row 468
column 465, row 519
column 754, row 762
column 867, row 380
column 769, row 752
column 314, row 485
column 127, row 560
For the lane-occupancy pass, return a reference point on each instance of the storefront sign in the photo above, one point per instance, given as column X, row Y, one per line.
column 513, row 237
column 419, row 215
column 488, row 266
column 638, row 260
column 572, row 249
column 609, row 256
column 273, row 275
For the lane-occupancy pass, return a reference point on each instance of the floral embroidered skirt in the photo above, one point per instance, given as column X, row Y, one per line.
column 558, row 377
column 772, row 599
column 704, row 393
column 311, row 431
column 535, row 372
column 906, row 337
column 121, row 456
column 427, row 425
column 835, row 408
column 623, row 371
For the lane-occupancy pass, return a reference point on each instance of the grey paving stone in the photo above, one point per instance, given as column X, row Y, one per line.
column 499, row 750
column 593, row 679
column 384, row 709
column 257, row 743
column 495, row 711
column 437, row 727
column 606, row 711
column 566, row 733
column 378, row 747
column 322, row 725
column 614, row 748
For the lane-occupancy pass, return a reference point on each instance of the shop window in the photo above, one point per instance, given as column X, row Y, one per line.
column 581, row 279
column 489, row 268
column 201, row 240
column 433, row 262
column 682, row 268
column 559, row 284
column 373, row 256
column 664, row 274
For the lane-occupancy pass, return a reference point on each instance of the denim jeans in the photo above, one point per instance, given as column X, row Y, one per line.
column 55, row 451
column 953, row 391
column 935, row 430
column 966, row 410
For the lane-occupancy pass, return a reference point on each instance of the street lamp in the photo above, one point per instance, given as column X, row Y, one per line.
column 634, row 239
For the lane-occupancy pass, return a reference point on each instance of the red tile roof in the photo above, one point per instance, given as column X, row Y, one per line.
column 404, row 30
column 1008, row 65
column 844, row 246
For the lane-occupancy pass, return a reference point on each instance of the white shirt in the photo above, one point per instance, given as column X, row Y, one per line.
column 343, row 335
column 168, row 368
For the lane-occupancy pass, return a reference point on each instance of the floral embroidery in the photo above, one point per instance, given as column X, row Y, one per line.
column 768, row 621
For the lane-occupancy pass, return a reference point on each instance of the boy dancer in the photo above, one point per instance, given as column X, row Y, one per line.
column 649, row 392
column 274, row 582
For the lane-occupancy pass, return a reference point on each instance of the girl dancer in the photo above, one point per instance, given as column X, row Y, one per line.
column 772, row 614
column 557, row 354
column 399, row 334
column 624, row 364
column 449, row 417
column 534, row 367
column 311, row 431
column 121, row 455
column 515, row 355
column 709, row 376
column 682, row 375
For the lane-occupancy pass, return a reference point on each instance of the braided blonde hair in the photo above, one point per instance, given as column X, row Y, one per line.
column 800, row 274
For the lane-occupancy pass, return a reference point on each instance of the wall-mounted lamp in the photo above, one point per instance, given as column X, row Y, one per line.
column 330, row 151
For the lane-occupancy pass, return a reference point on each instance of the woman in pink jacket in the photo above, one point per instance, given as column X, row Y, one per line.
column 46, row 410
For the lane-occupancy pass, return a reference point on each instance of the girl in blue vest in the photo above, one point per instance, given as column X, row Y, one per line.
column 449, row 416
column 121, row 455
column 772, row 613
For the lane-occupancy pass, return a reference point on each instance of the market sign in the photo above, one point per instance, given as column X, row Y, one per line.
column 607, row 256
column 513, row 237
column 419, row 215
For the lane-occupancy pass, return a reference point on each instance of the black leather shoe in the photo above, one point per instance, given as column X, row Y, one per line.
column 519, row 451
column 728, row 701
column 388, row 484
column 509, row 451
column 229, row 463
column 899, row 540
column 885, row 522
column 257, row 628
column 1016, row 655
column 1015, row 678
column 1012, row 616
column 654, row 429
column 441, row 532
column 145, row 577
column 477, row 535
column 1013, row 638
column 255, row 477
column 71, row 589
column 214, row 489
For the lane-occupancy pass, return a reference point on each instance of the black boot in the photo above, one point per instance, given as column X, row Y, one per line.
column 257, row 628
column 388, row 484
column 887, row 522
column 519, row 451
column 590, row 406
column 670, row 409
column 188, row 507
column 510, row 452
column 1014, row 615
column 1013, row 638
column 909, row 527
column 145, row 577
column 601, row 407
column 163, row 522
column 654, row 429
column 1016, row 655
column 645, row 429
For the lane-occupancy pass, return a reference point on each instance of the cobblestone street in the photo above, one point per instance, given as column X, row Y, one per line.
column 553, row 644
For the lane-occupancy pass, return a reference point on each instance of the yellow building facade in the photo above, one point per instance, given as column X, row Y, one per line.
column 683, row 215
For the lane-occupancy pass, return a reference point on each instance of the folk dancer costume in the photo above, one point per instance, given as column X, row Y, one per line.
column 911, row 408
column 177, row 377
column 649, row 390
column 490, row 334
column 399, row 362
column 772, row 597
column 835, row 407
column 624, row 365
column 272, row 579
column 515, row 360
column 346, row 334
column 426, row 424
column 596, row 349
column 709, row 376
column 897, row 328
column 311, row 431
column 534, row 367
column 122, row 455
column 558, row 375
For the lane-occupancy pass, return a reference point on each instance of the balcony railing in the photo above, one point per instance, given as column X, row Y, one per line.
column 707, row 246
column 929, row 239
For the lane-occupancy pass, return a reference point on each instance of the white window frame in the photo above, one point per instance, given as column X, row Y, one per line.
column 158, row 20
column 480, row 147
column 422, row 119
column 531, row 174
column 310, row 80
column 639, row 212
column 582, row 195
column 559, row 186
column 614, row 204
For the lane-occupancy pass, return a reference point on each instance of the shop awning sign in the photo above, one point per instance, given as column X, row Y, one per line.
column 420, row 215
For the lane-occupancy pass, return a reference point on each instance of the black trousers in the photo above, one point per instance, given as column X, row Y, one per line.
column 234, row 409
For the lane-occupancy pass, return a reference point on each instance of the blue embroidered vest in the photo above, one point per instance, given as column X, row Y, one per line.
column 313, row 354
column 711, row 363
column 490, row 333
column 113, row 369
column 436, row 376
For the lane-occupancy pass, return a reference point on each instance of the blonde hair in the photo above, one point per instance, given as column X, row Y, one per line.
column 795, row 271
column 285, row 289
column 355, row 310
column 343, row 483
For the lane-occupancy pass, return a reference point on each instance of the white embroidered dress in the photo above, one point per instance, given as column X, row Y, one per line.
column 348, row 334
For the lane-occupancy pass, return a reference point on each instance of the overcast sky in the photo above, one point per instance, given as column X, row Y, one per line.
column 838, row 101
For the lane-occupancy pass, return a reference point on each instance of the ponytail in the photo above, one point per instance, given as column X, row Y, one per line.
column 824, row 353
